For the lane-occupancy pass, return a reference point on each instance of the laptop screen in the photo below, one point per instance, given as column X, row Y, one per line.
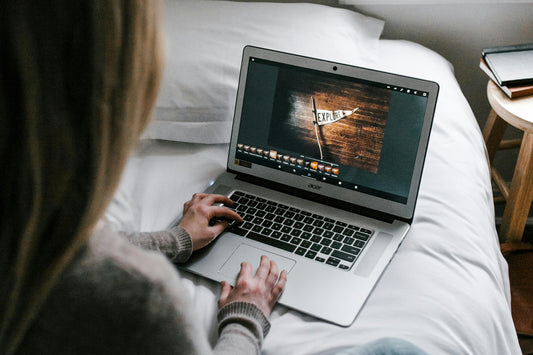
column 352, row 135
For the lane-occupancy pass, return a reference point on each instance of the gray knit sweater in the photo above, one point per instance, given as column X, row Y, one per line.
column 119, row 298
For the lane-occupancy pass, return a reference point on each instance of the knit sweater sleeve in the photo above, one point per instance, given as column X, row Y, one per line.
column 241, row 325
column 242, row 328
column 175, row 244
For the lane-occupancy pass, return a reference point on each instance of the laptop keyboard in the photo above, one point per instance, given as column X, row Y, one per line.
column 313, row 236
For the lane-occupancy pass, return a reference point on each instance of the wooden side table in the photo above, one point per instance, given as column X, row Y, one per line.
column 518, row 113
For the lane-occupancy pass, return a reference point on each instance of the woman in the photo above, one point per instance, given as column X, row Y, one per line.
column 78, row 83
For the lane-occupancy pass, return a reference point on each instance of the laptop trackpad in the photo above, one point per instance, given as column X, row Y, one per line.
column 252, row 255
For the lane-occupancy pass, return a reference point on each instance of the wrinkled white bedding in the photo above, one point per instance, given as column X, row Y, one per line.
column 447, row 288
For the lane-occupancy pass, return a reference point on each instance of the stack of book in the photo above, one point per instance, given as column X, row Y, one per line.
column 510, row 67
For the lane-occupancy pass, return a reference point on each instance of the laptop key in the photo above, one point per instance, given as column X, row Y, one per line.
column 279, row 211
column 270, row 208
column 306, row 244
column 305, row 235
column 316, row 247
column 286, row 229
column 288, row 222
column 289, row 214
column 333, row 261
column 328, row 234
column 261, row 206
column 318, row 223
column 308, row 228
column 299, row 217
column 298, row 225
column 318, row 231
column 276, row 234
column 310, row 254
column 336, row 245
column 343, row 256
column 285, row 237
column 248, row 225
column 361, row 236
column 266, row 231
column 271, row 241
column 348, row 232
column 296, row 232
column 279, row 219
column 348, row 241
column 267, row 223
column 328, row 226
column 316, row 239
column 300, row 251
column 338, row 237
column 350, row 249
column 326, row 250
column 359, row 243
column 296, row 240
column 237, row 230
column 326, row 242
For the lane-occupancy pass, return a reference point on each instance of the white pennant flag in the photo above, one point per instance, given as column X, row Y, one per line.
column 325, row 116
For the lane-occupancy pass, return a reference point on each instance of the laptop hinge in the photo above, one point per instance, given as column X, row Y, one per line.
column 385, row 217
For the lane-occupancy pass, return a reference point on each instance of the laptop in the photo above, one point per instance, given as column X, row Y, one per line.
column 324, row 166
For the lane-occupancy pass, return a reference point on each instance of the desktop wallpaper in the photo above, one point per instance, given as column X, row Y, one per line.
column 344, row 126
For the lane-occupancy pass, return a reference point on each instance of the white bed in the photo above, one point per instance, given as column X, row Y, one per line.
column 447, row 288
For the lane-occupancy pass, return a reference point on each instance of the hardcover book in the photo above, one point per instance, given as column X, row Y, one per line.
column 511, row 65
column 511, row 91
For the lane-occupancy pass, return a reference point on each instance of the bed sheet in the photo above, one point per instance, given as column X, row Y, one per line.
column 447, row 288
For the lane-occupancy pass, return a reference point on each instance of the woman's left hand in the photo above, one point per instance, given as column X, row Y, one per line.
column 198, row 214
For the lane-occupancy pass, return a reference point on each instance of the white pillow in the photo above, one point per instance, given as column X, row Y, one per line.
column 205, row 40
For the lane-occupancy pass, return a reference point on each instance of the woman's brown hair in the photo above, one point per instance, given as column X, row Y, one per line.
column 78, row 81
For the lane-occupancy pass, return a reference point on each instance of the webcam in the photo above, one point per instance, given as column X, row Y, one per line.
column 334, row 68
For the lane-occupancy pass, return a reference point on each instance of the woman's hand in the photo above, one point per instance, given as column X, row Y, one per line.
column 199, row 215
column 263, row 289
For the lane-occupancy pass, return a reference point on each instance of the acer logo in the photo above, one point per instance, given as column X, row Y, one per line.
column 315, row 187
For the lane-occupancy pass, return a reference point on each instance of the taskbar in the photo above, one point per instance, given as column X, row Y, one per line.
column 309, row 171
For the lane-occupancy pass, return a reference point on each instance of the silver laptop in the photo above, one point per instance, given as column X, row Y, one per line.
column 324, row 166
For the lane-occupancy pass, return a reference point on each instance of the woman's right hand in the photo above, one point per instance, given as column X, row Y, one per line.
column 263, row 289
